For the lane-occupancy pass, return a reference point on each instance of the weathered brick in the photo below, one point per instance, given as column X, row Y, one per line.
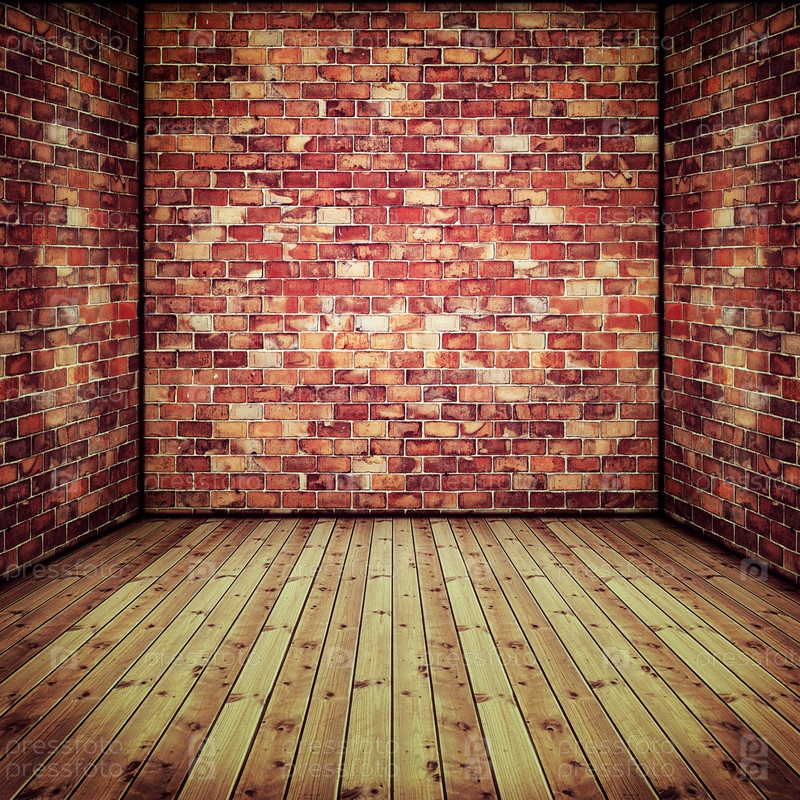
column 70, row 269
column 706, row 324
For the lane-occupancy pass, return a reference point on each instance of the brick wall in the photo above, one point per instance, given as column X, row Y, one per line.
column 731, row 276
column 401, row 258
column 68, row 283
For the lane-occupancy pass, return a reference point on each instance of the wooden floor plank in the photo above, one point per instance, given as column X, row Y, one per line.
column 76, row 596
column 679, row 725
column 63, row 649
column 36, row 585
column 367, row 768
column 643, row 643
column 699, row 622
column 56, row 706
column 316, row 760
column 780, row 735
column 516, row 765
column 750, row 619
column 753, row 575
column 417, row 762
column 755, row 634
column 112, row 773
column 608, row 755
column 281, row 658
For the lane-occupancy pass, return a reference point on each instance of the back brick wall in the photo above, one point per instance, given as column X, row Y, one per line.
column 401, row 259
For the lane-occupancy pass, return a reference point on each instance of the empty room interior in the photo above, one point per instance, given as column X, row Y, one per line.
column 399, row 400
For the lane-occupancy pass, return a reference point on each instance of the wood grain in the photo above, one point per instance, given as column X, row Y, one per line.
column 411, row 658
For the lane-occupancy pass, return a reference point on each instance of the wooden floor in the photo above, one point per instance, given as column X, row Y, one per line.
column 487, row 657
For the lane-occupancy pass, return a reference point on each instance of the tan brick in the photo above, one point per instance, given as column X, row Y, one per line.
column 9, row 343
column 422, row 197
column 530, row 268
column 584, row 288
column 584, row 108
column 460, row 55
column 370, row 464
column 529, row 341
column 791, row 344
column 533, row 197
column 494, row 376
column 389, row 91
column 511, row 144
column 249, row 55
column 423, row 341
column 389, row 55
column 544, row 215
column 374, row 429
column 268, row 38
column 240, row 411
column 443, row 430
column 531, row 20
column 372, row 323
column 492, row 162
column 335, row 216
column 442, row 322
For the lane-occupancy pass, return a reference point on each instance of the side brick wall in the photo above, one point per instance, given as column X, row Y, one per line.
column 401, row 259
column 68, row 275
column 732, row 284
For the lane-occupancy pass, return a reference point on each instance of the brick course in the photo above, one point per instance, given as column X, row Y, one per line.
column 68, row 283
column 731, row 277
column 401, row 259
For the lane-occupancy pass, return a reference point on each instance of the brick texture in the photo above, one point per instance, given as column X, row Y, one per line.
column 732, row 291
column 401, row 256
column 68, row 280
